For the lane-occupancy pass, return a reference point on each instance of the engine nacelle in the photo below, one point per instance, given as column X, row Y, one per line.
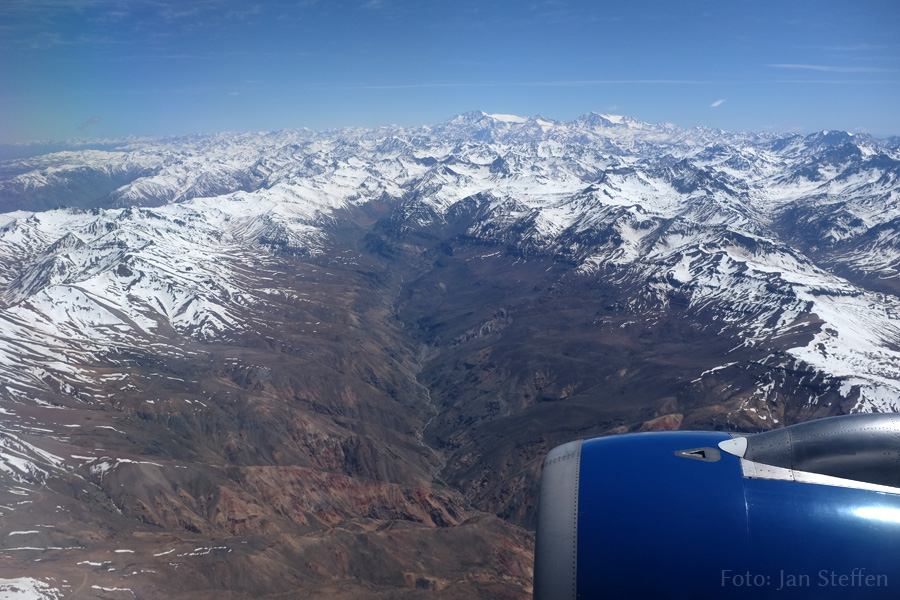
column 808, row 511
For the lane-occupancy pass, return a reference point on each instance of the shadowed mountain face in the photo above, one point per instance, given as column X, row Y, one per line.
column 292, row 364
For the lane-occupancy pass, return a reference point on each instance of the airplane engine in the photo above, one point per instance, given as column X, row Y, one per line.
column 807, row 511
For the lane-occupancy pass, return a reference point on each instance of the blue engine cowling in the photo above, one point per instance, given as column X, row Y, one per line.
column 808, row 511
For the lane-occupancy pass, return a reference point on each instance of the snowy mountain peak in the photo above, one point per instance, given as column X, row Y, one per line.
column 506, row 118
column 595, row 119
column 614, row 119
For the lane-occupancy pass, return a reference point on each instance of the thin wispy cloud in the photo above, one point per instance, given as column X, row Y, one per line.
column 861, row 47
column 179, row 13
column 830, row 68
column 493, row 84
column 49, row 24
column 836, row 81
column 717, row 103
column 88, row 123
column 111, row 7
column 555, row 11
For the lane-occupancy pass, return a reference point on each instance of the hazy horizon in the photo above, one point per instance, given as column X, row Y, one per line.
column 28, row 148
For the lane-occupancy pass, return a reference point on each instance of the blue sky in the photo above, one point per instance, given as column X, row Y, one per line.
column 112, row 68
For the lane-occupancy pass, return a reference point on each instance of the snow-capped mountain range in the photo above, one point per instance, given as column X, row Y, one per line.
column 780, row 252
column 725, row 218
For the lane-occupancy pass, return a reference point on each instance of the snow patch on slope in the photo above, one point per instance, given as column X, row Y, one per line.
column 28, row 588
